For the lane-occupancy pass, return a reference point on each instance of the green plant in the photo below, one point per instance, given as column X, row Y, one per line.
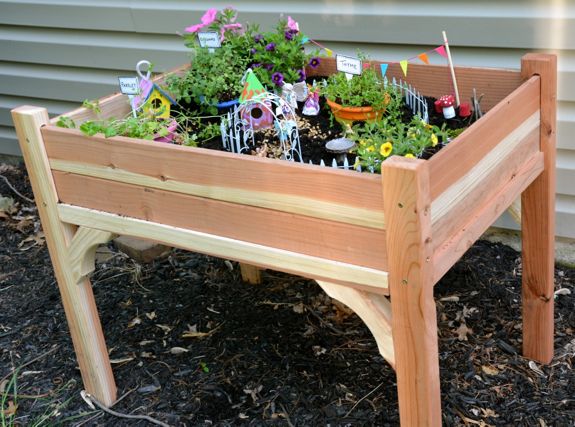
column 8, row 407
column 279, row 56
column 378, row 140
column 212, row 78
column 365, row 90
column 143, row 126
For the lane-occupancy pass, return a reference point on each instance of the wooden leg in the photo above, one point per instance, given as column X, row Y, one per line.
column 251, row 274
column 414, row 323
column 538, row 222
column 76, row 291
column 373, row 309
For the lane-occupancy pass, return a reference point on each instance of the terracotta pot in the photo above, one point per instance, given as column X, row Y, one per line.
column 347, row 115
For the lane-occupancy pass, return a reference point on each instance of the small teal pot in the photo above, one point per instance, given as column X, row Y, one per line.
column 224, row 106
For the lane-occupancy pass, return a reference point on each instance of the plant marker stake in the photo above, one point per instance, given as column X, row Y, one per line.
column 451, row 69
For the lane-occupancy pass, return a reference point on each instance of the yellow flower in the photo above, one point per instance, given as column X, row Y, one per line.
column 433, row 140
column 409, row 156
column 362, row 142
column 370, row 148
column 385, row 149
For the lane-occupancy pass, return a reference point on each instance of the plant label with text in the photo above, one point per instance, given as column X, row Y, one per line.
column 348, row 65
column 129, row 85
column 209, row 39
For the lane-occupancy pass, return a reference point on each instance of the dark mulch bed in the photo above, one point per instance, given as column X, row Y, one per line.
column 277, row 354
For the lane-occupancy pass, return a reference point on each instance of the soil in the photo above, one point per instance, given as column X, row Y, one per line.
column 316, row 131
column 192, row 345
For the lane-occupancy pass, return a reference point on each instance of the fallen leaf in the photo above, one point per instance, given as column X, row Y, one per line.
column 451, row 298
column 135, row 321
column 298, row 308
column 35, row 240
column 462, row 332
column 164, row 328
column 148, row 389
column 563, row 291
column 178, row 350
column 145, row 342
column 490, row 370
column 147, row 355
column 7, row 205
column 536, row 368
column 192, row 332
column 151, row 315
column 121, row 360
column 318, row 350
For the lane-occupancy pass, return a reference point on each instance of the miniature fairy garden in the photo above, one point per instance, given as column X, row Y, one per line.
column 248, row 91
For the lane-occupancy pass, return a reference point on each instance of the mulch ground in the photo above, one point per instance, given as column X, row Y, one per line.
column 192, row 345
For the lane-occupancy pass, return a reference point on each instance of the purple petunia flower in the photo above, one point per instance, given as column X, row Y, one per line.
column 278, row 79
column 253, row 50
column 301, row 75
column 256, row 65
column 258, row 38
column 314, row 62
column 288, row 35
column 269, row 67
column 270, row 47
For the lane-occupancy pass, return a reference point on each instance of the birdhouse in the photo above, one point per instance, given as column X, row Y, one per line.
column 153, row 100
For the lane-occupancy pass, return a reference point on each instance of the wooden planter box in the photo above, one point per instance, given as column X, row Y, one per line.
column 377, row 243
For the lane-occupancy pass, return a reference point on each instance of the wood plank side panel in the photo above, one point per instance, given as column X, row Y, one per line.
column 326, row 239
column 365, row 279
column 344, row 196
column 483, row 216
column 453, row 162
column 435, row 80
column 453, row 208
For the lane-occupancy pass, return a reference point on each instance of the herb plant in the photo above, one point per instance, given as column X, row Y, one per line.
column 365, row 90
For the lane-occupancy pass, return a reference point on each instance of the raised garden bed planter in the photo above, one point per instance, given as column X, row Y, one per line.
column 377, row 243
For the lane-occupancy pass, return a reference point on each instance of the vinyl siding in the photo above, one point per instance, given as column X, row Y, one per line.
column 57, row 53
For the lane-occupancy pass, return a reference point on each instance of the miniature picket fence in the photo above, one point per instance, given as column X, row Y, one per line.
column 413, row 98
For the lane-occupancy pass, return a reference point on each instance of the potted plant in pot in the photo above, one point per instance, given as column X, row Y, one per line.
column 361, row 98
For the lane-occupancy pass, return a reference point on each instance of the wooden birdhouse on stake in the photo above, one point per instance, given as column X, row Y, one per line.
column 152, row 100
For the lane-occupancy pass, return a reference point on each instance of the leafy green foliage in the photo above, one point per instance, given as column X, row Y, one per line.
column 365, row 90
column 381, row 139
column 212, row 78
column 280, row 51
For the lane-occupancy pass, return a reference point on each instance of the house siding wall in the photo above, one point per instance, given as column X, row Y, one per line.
column 57, row 53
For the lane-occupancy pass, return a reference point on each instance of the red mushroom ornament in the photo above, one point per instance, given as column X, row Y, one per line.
column 447, row 102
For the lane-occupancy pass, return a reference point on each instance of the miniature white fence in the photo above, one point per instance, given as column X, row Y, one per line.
column 414, row 100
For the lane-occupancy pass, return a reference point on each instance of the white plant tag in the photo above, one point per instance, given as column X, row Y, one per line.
column 349, row 65
column 210, row 39
column 129, row 85
column 348, row 76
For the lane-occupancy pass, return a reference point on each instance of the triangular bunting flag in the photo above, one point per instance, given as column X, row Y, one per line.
column 424, row 58
column 328, row 52
column 441, row 51
column 252, row 87
column 403, row 65
column 383, row 69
